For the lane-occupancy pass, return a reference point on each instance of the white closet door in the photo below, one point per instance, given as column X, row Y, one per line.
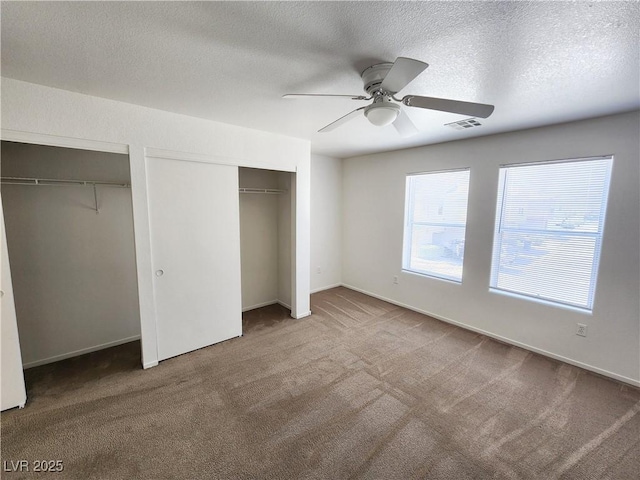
column 12, row 389
column 195, row 243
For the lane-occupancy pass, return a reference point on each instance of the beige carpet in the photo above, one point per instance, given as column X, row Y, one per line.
column 361, row 389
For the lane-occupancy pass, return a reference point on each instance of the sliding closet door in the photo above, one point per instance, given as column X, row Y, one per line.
column 12, row 389
column 195, row 242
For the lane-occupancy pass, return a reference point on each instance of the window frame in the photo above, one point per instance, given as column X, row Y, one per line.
column 408, row 225
column 599, row 235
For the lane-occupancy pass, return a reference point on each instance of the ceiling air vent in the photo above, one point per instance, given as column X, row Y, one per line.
column 463, row 124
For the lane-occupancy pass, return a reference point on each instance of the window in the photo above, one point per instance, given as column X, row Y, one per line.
column 435, row 221
column 549, row 224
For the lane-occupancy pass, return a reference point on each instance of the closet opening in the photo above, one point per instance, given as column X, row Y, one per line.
column 69, row 226
column 266, row 247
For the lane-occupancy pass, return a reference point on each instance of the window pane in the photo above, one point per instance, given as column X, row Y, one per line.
column 436, row 215
column 440, row 197
column 437, row 251
column 555, row 196
column 553, row 267
column 549, row 225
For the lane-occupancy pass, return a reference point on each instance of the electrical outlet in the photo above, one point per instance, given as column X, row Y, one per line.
column 581, row 330
column 395, row 279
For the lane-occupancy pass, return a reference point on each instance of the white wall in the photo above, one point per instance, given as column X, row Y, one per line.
column 74, row 272
column 326, row 222
column 39, row 114
column 373, row 228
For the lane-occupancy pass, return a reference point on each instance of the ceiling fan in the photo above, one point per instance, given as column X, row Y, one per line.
column 381, row 82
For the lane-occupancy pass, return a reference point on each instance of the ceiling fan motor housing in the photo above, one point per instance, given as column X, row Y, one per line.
column 382, row 112
column 374, row 75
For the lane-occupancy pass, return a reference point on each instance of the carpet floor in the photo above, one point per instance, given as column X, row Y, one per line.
column 361, row 389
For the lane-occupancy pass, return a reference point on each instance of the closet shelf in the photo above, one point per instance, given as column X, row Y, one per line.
column 270, row 191
column 64, row 183
column 59, row 182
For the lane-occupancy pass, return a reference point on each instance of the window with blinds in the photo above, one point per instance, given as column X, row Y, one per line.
column 435, row 222
column 549, row 224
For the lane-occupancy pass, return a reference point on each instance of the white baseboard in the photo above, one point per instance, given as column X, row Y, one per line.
column 149, row 365
column 328, row 287
column 279, row 302
column 260, row 305
column 570, row 361
column 63, row 356
column 266, row 304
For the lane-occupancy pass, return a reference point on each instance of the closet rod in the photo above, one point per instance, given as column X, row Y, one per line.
column 271, row 191
column 59, row 182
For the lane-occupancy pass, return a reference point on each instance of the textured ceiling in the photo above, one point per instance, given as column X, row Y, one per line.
column 539, row 63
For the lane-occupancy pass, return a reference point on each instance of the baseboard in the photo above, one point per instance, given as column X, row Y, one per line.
column 149, row 365
column 280, row 302
column 570, row 361
column 75, row 353
column 288, row 307
column 260, row 305
column 266, row 304
column 328, row 287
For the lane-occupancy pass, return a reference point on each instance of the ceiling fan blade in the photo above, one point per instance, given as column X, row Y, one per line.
column 341, row 120
column 453, row 106
column 404, row 125
column 404, row 70
column 296, row 95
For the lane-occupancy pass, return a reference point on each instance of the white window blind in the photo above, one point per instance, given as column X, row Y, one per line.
column 549, row 224
column 435, row 222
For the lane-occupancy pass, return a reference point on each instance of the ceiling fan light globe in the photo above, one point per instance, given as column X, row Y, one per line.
column 381, row 114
